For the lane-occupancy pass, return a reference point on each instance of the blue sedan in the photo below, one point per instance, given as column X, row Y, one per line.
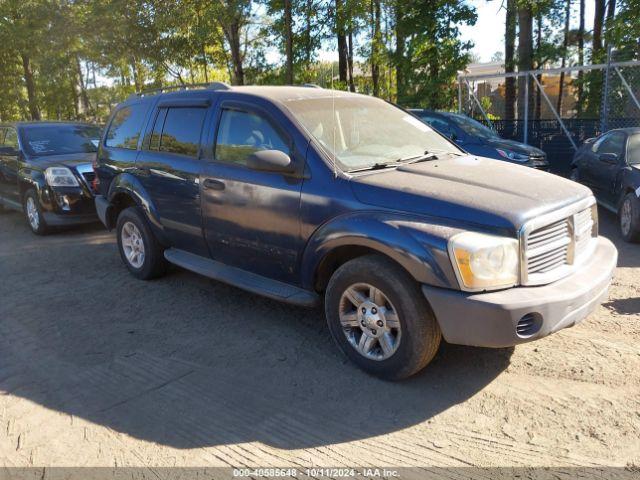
column 477, row 139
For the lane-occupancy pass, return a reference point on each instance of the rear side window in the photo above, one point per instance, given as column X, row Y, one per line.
column 180, row 132
column 126, row 126
column 242, row 133
column 11, row 138
column 633, row 150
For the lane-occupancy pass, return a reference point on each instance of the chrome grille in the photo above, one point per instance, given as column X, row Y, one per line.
column 554, row 244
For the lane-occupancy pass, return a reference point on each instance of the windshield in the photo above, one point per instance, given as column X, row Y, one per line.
column 633, row 150
column 361, row 132
column 471, row 127
column 39, row 140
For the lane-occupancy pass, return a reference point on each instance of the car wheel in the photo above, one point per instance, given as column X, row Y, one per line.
column 33, row 213
column 380, row 319
column 630, row 218
column 140, row 250
column 574, row 175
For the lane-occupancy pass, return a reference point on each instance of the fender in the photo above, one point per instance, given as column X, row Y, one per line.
column 129, row 185
column 421, row 248
column 30, row 178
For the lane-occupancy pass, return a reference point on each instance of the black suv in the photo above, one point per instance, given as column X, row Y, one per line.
column 46, row 171
column 303, row 193
column 610, row 166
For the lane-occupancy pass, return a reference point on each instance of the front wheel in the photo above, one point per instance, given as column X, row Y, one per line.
column 380, row 319
column 630, row 218
column 140, row 250
column 33, row 213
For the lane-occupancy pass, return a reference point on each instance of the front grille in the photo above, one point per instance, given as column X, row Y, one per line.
column 550, row 251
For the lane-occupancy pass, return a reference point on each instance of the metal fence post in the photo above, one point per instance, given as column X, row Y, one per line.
column 604, row 114
column 526, row 109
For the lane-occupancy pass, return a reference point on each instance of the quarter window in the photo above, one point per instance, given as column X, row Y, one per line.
column 181, row 131
column 126, row 126
column 242, row 133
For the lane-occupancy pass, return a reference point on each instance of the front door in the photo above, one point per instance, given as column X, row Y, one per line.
column 251, row 217
column 169, row 167
column 601, row 169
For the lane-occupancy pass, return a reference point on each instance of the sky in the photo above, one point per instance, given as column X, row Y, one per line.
column 488, row 32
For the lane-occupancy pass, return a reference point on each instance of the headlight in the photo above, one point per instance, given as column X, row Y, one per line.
column 60, row 177
column 513, row 156
column 484, row 261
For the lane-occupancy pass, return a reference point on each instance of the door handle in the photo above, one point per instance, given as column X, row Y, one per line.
column 211, row 184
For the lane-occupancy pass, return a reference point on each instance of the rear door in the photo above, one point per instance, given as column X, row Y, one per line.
column 169, row 167
column 9, row 164
column 252, row 218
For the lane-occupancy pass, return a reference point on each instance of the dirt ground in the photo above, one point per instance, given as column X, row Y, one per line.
column 100, row 369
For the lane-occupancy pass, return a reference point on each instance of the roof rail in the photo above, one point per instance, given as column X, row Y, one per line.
column 190, row 86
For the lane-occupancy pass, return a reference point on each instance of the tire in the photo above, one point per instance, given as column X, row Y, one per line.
column 574, row 175
column 135, row 237
column 629, row 218
column 33, row 213
column 408, row 349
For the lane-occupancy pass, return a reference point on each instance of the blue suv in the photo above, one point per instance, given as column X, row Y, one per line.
column 307, row 195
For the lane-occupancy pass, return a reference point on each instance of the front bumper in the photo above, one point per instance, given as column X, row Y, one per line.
column 67, row 206
column 491, row 319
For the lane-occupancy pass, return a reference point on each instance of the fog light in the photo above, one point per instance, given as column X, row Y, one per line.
column 529, row 325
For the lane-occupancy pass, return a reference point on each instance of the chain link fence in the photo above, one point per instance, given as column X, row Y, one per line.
column 555, row 109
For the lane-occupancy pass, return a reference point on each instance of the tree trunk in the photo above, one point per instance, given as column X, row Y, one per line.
column 352, row 85
column 598, row 21
column 375, row 46
column 565, row 45
column 288, row 31
column 509, row 60
column 538, row 66
column 342, row 42
column 84, row 97
column 525, row 55
column 399, row 56
column 611, row 12
column 232, row 32
column 581, row 58
column 34, row 111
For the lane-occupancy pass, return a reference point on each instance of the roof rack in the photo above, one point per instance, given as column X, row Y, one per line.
column 189, row 86
column 311, row 85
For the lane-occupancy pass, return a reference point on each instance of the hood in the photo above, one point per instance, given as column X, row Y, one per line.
column 470, row 190
column 71, row 160
column 512, row 145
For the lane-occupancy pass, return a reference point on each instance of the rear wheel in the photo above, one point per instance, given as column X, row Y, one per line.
column 33, row 213
column 574, row 175
column 380, row 319
column 630, row 218
column 140, row 250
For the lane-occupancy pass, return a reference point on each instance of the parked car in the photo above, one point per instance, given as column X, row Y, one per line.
column 610, row 166
column 301, row 194
column 478, row 139
column 46, row 171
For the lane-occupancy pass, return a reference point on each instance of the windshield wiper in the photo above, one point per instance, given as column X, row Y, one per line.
column 376, row 166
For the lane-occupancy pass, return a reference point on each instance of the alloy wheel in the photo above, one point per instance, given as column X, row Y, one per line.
column 32, row 214
column 132, row 244
column 369, row 321
column 625, row 217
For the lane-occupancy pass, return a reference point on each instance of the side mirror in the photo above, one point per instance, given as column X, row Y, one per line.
column 608, row 157
column 270, row 161
column 9, row 151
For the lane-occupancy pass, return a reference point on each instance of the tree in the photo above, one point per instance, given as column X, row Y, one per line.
column 565, row 45
column 525, row 52
column 509, row 59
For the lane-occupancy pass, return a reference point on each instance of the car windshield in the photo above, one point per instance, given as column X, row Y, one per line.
column 471, row 127
column 633, row 150
column 39, row 140
column 362, row 132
